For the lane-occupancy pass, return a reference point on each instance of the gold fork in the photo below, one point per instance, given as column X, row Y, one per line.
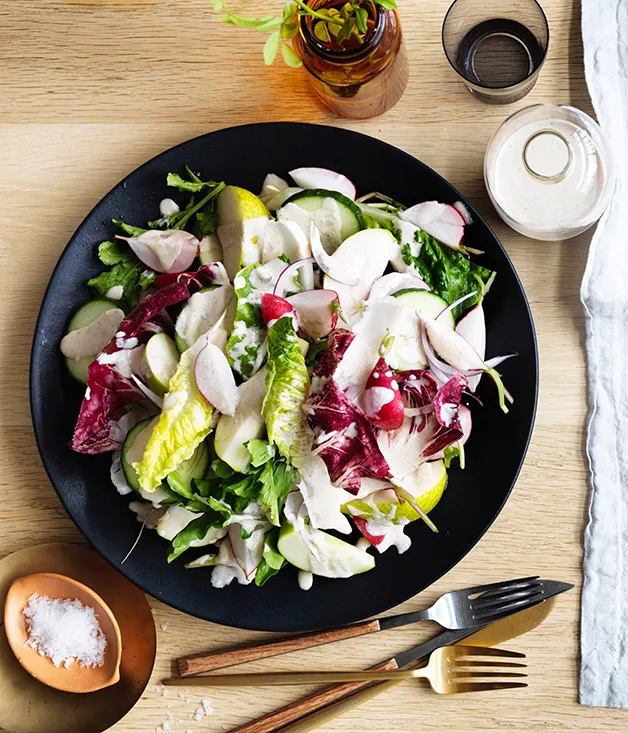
column 450, row 669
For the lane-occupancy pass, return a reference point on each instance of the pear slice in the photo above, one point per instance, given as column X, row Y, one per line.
column 337, row 559
column 161, row 357
column 247, row 424
column 427, row 484
column 242, row 218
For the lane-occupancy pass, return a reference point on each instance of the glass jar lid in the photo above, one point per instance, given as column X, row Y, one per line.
column 549, row 172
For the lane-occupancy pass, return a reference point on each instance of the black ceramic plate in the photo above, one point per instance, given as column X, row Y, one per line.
column 474, row 497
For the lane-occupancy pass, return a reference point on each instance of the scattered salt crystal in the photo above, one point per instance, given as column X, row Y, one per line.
column 188, row 700
column 169, row 705
column 65, row 631
column 182, row 696
column 198, row 715
column 163, row 626
column 152, row 610
column 162, row 690
column 207, row 706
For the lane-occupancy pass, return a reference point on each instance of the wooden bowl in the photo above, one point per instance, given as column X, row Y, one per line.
column 74, row 678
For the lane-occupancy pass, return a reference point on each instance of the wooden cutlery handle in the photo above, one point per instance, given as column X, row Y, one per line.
column 310, row 704
column 198, row 663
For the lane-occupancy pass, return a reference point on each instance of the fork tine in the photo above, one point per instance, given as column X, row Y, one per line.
column 463, row 663
column 482, row 602
column 502, row 585
column 481, row 686
column 461, row 652
column 455, row 675
column 500, row 611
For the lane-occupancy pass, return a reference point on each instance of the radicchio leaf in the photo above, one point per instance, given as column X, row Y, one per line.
column 446, row 407
column 110, row 394
column 345, row 439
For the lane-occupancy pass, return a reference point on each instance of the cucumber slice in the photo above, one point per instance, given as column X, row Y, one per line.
column 86, row 314
column 340, row 559
column 351, row 218
column 133, row 450
column 162, row 358
column 426, row 302
column 407, row 351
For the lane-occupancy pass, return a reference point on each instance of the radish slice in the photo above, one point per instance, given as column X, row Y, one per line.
column 286, row 275
column 472, row 328
column 441, row 221
column 214, row 379
column 381, row 398
column 323, row 178
column 317, row 311
column 296, row 247
column 326, row 262
column 464, row 212
column 169, row 250
column 274, row 307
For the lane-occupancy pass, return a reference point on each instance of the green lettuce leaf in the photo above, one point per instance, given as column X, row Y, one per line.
column 261, row 451
column 286, row 387
column 277, row 479
column 272, row 559
column 184, row 423
column 197, row 529
column 447, row 272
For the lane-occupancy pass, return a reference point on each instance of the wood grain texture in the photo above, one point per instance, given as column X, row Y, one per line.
column 91, row 89
column 199, row 663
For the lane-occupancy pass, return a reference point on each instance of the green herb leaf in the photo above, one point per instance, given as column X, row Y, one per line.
column 222, row 469
column 272, row 559
column 290, row 57
column 321, row 31
column 271, row 47
column 447, row 273
column 197, row 529
column 269, row 24
column 129, row 273
column 109, row 253
column 277, row 479
column 261, row 452
column 129, row 229
column 361, row 16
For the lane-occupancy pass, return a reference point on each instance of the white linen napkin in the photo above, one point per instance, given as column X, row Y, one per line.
column 604, row 627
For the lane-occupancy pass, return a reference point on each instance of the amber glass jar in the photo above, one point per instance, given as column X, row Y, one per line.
column 356, row 80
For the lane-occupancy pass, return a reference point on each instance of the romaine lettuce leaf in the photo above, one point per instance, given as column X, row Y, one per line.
column 111, row 392
column 448, row 273
column 286, row 387
column 185, row 421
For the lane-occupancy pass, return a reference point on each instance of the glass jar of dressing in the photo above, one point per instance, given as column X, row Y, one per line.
column 549, row 172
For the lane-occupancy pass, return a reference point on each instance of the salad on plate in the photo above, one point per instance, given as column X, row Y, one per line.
column 271, row 371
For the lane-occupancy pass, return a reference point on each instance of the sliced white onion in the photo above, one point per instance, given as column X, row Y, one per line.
column 464, row 212
column 454, row 304
column 291, row 269
column 496, row 360
column 326, row 262
column 417, row 411
column 152, row 396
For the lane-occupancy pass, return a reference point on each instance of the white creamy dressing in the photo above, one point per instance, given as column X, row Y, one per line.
column 548, row 202
column 305, row 579
column 363, row 544
column 407, row 350
column 115, row 293
column 374, row 398
column 238, row 558
column 125, row 361
column 407, row 232
column 176, row 518
column 168, row 207
column 203, row 311
column 118, row 479
column 93, row 338
column 394, row 536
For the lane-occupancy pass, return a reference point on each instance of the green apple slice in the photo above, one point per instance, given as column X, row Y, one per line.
column 161, row 357
column 338, row 559
column 232, row 433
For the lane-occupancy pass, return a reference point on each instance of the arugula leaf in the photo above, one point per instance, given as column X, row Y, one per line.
column 129, row 229
column 174, row 180
column 272, row 559
column 207, row 221
column 197, row 529
column 127, row 272
column 261, row 451
column 448, row 273
column 277, row 479
column 109, row 253
column 316, row 350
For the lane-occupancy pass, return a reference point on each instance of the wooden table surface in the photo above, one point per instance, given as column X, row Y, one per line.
column 91, row 89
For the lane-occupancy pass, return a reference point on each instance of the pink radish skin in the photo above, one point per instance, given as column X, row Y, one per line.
column 298, row 266
column 323, row 178
column 317, row 311
column 441, row 221
column 472, row 328
column 374, row 539
column 214, row 379
column 178, row 248
column 274, row 307
column 382, row 399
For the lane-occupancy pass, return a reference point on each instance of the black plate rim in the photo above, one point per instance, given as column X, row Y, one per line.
column 381, row 608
